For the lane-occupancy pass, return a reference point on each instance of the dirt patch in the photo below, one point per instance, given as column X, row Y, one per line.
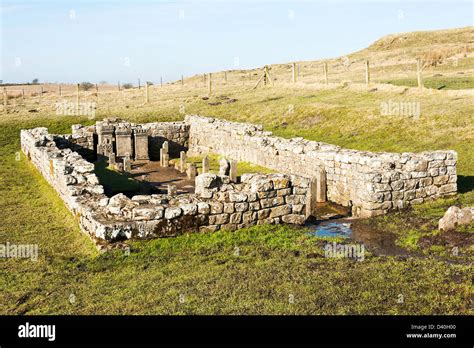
column 160, row 177
column 329, row 210
column 378, row 241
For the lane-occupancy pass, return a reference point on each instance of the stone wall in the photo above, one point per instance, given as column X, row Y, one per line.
column 69, row 174
column 84, row 138
column 372, row 183
column 176, row 133
column 217, row 204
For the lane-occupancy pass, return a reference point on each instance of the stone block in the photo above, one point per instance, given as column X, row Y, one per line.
column 280, row 210
column 229, row 208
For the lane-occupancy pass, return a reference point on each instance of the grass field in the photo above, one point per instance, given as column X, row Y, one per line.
column 261, row 270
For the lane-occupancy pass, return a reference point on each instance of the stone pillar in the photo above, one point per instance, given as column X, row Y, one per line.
column 182, row 161
column 233, row 171
column 127, row 165
column 205, row 165
column 223, row 167
column 123, row 141
column 311, row 196
column 321, row 186
column 105, row 137
column 165, row 160
column 191, row 172
column 112, row 160
column 141, row 144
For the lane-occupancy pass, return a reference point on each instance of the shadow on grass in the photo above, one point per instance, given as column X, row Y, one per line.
column 465, row 183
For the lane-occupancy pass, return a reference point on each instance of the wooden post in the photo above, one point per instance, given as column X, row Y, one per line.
column 293, row 72
column 22, row 94
column 41, row 91
column 5, row 97
column 367, row 72
column 182, row 80
column 118, row 85
column 209, row 83
column 268, row 79
column 138, row 83
column 161, row 81
column 147, row 92
column 96, row 89
column 60, row 91
column 418, row 73
column 325, row 69
column 77, row 97
column 225, row 76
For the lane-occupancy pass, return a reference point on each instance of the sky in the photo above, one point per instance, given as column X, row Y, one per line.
column 102, row 40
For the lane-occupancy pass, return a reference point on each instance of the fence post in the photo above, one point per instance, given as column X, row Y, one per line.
column 147, row 92
column 118, row 85
column 209, row 83
column 41, row 91
column 22, row 94
column 77, row 97
column 418, row 73
column 161, row 81
column 225, row 77
column 325, row 69
column 367, row 72
column 182, row 80
column 5, row 97
column 96, row 89
column 138, row 84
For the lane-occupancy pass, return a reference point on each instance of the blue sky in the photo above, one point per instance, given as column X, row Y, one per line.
column 72, row 41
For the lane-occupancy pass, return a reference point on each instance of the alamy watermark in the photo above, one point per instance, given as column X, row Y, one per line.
column 25, row 251
column 352, row 251
column 66, row 108
column 394, row 108
column 37, row 331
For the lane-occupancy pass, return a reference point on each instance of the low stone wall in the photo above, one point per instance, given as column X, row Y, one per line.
column 217, row 204
column 372, row 183
column 69, row 174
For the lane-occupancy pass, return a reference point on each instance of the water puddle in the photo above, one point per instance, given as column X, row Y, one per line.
column 330, row 228
column 355, row 231
column 333, row 220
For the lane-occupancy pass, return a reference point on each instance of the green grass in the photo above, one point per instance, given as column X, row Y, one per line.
column 250, row 271
column 437, row 82
column 115, row 182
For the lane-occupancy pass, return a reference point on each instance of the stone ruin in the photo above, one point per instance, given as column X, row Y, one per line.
column 309, row 172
